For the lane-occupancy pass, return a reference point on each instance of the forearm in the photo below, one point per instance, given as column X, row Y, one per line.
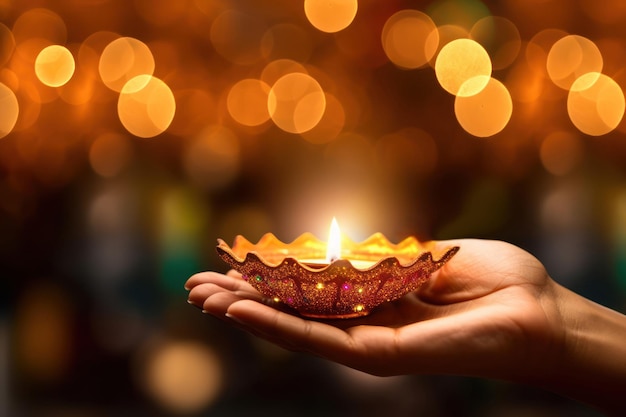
column 592, row 367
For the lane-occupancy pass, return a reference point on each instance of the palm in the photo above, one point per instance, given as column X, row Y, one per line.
column 481, row 312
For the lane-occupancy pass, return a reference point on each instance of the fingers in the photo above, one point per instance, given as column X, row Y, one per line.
column 206, row 285
column 293, row 332
column 227, row 282
column 214, row 277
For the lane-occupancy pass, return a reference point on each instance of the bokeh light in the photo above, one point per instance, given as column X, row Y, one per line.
column 460, row 61
column 443, row 36
column 571, row 57
column 486, row 113
column 296, row 102
column 30, row 105
column 330, row 15
column 146, row 106
column 124, row 59
column 247, row 102
column 9, row 110
column 595, row 104
column 7, row 44
column 410, row 39
column 280, row 67
column 55, row 65
column 183, row 376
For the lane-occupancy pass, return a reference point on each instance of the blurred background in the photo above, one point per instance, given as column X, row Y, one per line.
column 134, row 133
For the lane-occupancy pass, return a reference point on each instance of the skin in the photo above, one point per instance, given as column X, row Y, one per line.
column 491, row 312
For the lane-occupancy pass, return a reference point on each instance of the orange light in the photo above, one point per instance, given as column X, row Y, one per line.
column 333, row 250
column 330, row 16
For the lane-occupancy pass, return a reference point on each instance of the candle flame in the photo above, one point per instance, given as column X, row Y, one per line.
column 333, row 250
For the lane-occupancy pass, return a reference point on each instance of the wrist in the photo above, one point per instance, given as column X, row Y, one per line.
column 591, row 366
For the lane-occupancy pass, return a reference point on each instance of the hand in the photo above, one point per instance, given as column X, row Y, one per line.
column 491, row 311
column 491, row 298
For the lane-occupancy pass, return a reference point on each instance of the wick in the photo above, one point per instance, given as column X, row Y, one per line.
column 332, row 259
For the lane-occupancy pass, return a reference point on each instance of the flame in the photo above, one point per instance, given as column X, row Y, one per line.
column 333, row 250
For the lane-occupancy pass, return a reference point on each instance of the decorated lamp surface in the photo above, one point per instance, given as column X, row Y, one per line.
column 366, row 274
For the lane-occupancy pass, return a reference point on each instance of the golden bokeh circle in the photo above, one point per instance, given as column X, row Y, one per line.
column 330, row 15
column 54, row 65
column 571, row 57
column 410, row 39
column 486, row 113
column 595, row 104
column 123, row 59
column 247, row 102
column 10, row 110
column 462, row 60
column 146, row 106
column 296, row 102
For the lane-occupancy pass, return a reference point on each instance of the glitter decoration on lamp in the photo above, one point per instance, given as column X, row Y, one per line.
column 318, row 283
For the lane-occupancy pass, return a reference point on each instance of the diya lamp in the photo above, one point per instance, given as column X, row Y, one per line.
column 335, row 279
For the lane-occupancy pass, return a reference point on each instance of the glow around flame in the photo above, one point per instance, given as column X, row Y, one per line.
column 333, row 250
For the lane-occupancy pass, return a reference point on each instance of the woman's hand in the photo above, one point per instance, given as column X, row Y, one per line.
column 487, row 309
column 491, row 311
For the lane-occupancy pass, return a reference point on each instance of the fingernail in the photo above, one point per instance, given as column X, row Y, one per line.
column 189, row 302
column 205, row 311
column 233, row 318
column 187, row 288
